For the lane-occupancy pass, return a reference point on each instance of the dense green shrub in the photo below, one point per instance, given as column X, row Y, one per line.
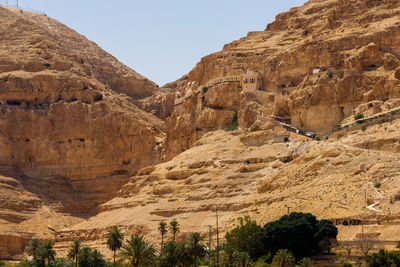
column 345, row 264
column 234, row 124
column 358, row 116
column 300, row 233
column 61, row 262
column 330, row 74
column 383, row 258
column 246, row 237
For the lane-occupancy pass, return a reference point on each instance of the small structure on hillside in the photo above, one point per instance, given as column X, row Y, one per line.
column 251, row 81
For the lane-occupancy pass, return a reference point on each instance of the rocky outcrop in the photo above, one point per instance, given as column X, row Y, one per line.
column 72, row 123
column 317, row 63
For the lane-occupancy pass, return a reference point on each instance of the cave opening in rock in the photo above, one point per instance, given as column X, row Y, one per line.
column 13, row 103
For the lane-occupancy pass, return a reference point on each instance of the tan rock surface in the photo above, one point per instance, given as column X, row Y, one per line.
column 328, row 179
column 326, row 57
column 319, row 64
column 70, row 131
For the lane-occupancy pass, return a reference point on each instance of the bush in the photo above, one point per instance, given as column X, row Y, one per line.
column 330, row 74
column 246, row 237
column 301, row 233
column 341, row 73
column 383, row 258
column 364, row 128
column 358, row 116
column 204, row 89
column 345, row 264
column 377, row 184
column 60, row 262
column 234, row 124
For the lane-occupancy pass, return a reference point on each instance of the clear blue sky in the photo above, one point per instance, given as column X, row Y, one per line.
column 162, row 39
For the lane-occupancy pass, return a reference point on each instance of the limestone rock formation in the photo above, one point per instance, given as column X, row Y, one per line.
column 68, row 133
column 313, row 65
column 71, row 133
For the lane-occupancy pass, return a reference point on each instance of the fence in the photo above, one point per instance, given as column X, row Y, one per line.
column 22, row 8
column 371, row 120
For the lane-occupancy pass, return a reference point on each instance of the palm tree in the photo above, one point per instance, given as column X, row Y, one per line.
column 45, row 252
column 162, row 228
column 283, row 258
column 114, row 240
column 174, row 228
column 138, row 251
column 243, row 259
column 74, row 251
column 33, row 245
column 170, row 254
column 184, row 257
column 305, row 262
column 195, row 247
column 96, row 258
column 228, row 256
column 84, row 257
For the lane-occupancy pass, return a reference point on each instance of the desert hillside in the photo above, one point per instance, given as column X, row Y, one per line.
column 312, row 104
column 71, row 131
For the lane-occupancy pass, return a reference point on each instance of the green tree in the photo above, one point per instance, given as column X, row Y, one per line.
column 33, row 245
column 74, row 251
column 60, row 262
column 247, row 237
column 170, row 255
column 305, row 262
column 45, row 252
column 184, row 258
column 162, row 228
column 383, row 258
column 114, row 240
column 283, row 258
column 97, row 259
column 243, row 259
column 228, row 256
column 174, row 228
column 138, row 252
column 345, row 264
column 300, row 233
column 84, row 257
column 195, row 248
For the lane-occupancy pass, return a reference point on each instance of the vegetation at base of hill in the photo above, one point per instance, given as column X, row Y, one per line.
column 358, row 116
column 383, row 258
column 345, row 264
column 234, row 124
column 287, row 242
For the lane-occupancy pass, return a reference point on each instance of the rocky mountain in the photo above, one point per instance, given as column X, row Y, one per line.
column 306, row 75
column 71, row 131
column 314, row 65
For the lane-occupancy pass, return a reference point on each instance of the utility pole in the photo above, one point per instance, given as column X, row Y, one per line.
column 209, row 237
column 216, row 214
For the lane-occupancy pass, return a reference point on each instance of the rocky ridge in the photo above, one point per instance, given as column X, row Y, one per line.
column 71, row 131
column 314, row 67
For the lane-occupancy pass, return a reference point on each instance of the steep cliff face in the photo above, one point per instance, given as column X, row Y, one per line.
column 63, row 118
column 315, row 63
